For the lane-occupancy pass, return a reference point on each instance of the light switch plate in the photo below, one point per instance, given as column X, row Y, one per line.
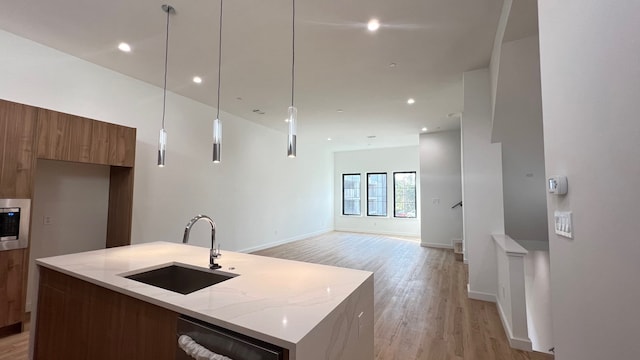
column 563, row 223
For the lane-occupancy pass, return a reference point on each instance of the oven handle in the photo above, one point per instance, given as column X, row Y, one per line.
column 197, row 351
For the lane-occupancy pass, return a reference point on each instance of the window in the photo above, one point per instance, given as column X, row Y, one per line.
column 350, row 194
column 404, row 194
column 377, row 194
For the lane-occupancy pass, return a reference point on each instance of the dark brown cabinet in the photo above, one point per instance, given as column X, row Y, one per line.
column 73, row 138
column 11, row 271
column 17, row 135
column 79, row 320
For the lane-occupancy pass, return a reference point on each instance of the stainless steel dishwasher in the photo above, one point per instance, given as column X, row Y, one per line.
column 224, row 342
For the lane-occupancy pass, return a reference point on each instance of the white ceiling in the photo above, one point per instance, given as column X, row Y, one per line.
column 340, row 65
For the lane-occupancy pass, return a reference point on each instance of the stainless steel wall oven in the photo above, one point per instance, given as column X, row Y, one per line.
column 14, row 223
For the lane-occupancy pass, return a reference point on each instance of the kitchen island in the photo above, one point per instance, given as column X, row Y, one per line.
column 311, row 311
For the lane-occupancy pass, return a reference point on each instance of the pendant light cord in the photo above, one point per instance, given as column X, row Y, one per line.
column 293, row 49
column 219, row 60
column 166, row 61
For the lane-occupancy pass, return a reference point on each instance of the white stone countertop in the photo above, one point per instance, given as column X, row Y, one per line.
column 274, row 300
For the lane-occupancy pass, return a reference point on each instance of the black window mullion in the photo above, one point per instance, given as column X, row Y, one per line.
column 380, row 193
column 351, row 184
column 407, row 202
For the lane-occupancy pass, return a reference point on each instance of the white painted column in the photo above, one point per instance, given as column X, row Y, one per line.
column 483, row 212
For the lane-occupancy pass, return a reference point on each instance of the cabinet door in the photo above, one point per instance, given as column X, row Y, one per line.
column 80, row 320
column 73, row 138
column 17, row 137
column 11, row 267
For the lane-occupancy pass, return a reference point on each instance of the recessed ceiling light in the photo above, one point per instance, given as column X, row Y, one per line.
column 424, row 129
column 197, row 79
column 373, row 25
column 339, row 110
column 286, row 120
column 392, row 65
column 329, row 139
column 124, row 47
column 411, row 101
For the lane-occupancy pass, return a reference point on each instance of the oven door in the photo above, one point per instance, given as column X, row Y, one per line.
column 224, row 342
column 14, row 223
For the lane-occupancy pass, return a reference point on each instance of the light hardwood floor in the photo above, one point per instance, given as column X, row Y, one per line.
column 421, row 306
column 15, row 347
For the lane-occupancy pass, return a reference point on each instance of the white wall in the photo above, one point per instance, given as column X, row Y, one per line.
column 482, row 184
column 494, row 65
column 441, row 188
column 537, row 274
column 517, row 124
column 590, row 92
column 75, row 197
column 376, row 160
column 257, row 196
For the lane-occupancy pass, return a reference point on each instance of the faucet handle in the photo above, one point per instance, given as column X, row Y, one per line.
column 213, row 255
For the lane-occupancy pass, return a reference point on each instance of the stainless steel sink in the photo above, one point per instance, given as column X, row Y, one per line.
column 180, row 279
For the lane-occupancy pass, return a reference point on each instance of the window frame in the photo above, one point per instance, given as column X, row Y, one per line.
column 386, row 192
column 415, row 194
column 360, row 191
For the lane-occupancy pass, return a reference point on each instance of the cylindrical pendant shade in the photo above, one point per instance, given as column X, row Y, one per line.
column 162, row 147
column 217, row 140
column 293, row 118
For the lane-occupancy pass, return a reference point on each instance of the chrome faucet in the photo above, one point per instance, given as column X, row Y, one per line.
column 214, row 253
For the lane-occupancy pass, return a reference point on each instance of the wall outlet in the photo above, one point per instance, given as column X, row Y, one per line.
column 47, row 220
column 436, row 201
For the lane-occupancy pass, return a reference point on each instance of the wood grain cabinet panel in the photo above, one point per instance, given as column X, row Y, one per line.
column 73, row 138
column 11, row 268
column 17, row 135
column 54, row 134
column 79, row 320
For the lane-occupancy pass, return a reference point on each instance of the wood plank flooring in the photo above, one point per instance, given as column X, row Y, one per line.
column 421, row 305
column 15, row 347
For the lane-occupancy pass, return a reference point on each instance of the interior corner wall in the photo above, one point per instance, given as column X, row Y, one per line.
column 494, row 64
column 482, row 184
column 257, row 196
column 387, row 160
column 590, row 92
column 441, row 188
column 517, row 125
column 74, row 199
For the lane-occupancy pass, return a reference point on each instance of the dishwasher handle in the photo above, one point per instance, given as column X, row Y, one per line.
column 197, row 351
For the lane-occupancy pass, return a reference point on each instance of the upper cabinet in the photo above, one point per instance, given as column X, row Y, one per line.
column 73, row 138
column 17, row 136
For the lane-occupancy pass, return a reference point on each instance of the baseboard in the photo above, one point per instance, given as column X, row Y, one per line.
column 516, row 343
column 435, row 245
column 285, row 241
column 392, row 233
column 478, row 295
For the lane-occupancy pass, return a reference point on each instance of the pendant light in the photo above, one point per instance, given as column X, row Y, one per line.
column 217, row 125
column 293, row 112
column 162, row 139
